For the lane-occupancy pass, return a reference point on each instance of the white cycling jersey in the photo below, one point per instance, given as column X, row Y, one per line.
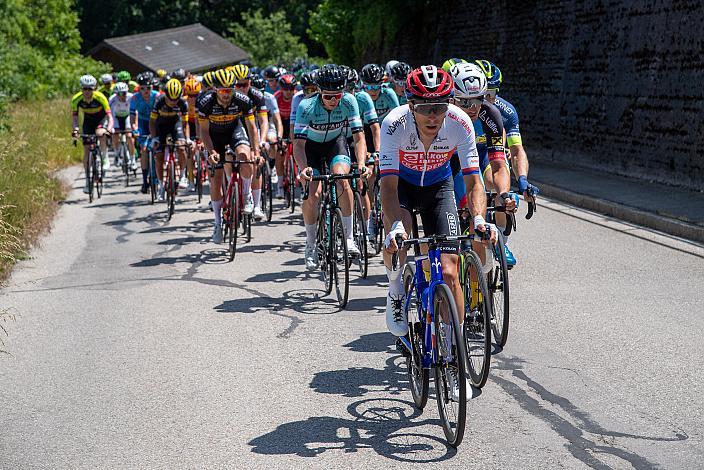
column 402, row 153
column 119, row 108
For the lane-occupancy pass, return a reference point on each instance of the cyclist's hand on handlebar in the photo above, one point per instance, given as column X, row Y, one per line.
column 509, row 202
column 390, row 244
column 74, row 132
column 214, row 157
column 364, row 171
column 481, row 227
column 306, row 174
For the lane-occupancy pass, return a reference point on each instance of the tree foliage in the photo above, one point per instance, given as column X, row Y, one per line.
column 40, row 50
column 268, row 39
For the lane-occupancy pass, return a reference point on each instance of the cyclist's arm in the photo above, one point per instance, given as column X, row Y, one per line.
column 389, row 164
column 494, row 128
column 205, row 133
column 355, row 122
column 376, row 135
column 299, row 152
column 279, row 125
column 476, row 193
column 389, row 198
column 519, row 160
column 301, row 135
column 253, row 134
column 152, row 124
column 360, row 148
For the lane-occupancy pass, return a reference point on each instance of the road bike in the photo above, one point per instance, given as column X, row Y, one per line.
column 170, row 179
column 376, row 215
column 95, row 173
column 267, row 195
column 359, row 227
column 290, row 176
column 435, row 339
column 122, row 155
column 233, row 217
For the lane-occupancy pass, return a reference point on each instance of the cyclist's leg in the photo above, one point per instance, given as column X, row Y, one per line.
column 101, row 133
column 179, row 138
column 162, row 133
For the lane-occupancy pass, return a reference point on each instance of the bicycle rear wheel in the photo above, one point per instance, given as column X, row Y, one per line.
column 90, row 176
column 477, row 320
column 379, row 220
column 199, row 176
column 359, row 228
column 450, row 368
column 152, row 175
column 232, row 217
column 291, row 190
column 340, row 259
column 125, row 164
column 323, row 243
column 267, row 193
column 499, row 288
column 418, row 377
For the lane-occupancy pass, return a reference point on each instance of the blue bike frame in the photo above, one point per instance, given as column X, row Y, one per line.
column 424, row 292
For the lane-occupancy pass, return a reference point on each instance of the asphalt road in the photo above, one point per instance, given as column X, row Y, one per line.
column 131, row 343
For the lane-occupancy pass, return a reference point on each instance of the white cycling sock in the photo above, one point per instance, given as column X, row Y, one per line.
column 395, row 282
column 311, row 230
column 368, row 221
column 217, row 210
column 246, row 186
column 347, row 224
column 256, row 194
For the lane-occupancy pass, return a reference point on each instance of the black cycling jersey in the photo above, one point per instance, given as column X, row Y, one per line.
column 167, row 114
column 224, row 119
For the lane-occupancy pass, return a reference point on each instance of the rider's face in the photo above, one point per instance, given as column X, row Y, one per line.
column 428, row 124
column 145, row 91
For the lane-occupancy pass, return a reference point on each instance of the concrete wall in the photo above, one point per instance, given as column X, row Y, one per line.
column 613, row 84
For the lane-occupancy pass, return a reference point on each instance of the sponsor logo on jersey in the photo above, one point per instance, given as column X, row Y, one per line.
column 417, row 161
column 490, row 123
column 327, row 126
column 452, row 223
column 497, row 141
column 222, row 118
column 463, row 122
column 396, row 124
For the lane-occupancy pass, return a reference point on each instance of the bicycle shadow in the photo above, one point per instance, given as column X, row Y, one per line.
column 305, row 301
column 384, row 424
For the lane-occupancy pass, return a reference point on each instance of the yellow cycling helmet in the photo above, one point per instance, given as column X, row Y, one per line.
column 241, row 72
column 160, row 73
column 192, row 86
column 173, row 89
column 208, row 79
column 224, row 78
column 447, row 65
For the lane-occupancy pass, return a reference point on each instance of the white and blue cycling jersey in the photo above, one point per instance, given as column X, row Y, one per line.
column 295, row 101
column 314, row 122
column 403, row 154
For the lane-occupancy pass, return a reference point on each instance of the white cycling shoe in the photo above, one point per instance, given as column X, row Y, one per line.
column 396, row 320
column 258, row 214
column 249, row 204
column 311, row 258
column 352, row 248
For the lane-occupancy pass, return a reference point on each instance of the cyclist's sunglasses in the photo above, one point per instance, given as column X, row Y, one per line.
column 225, row 91
column 122, row 93
column 468, row 102
column 288, row 87
column 86, row 88
column 145, row 87
column 492, row 93
column 401, row 83
column 372, row 87
column 426, row 109
column 243, row 84
column 332, row 96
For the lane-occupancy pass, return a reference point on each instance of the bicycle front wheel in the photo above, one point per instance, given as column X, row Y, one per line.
column 340, row 259
column 199, row 176
column 418, row 377
column 267, row 197
column 450, row 379
column 323, row 247
column 232, row 215
column 98, row 174
column 291, row 185
column 359, row 228
column 499, row 288
column 477, row 320
column 171, row 190
column 90, row 176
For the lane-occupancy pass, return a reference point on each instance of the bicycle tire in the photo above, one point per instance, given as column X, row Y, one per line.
column 90, row 175
column 498, row 283
column 232, row 215
column 379, row 220
column 323, row 246
column 267, row 192
column 199, row 176
column 292, row 185
column 152, row 175
column 171, row 190
column 248, row 231
column 98, row 170
column 454, row 430
column 359, row 227
column 125, row 164
column 418, row 377
column 476, row 327
column 340, row 259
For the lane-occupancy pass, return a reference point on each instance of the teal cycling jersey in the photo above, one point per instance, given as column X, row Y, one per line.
column 314, row 122
column 402, row 99
column 366, row 110
column 386, row 101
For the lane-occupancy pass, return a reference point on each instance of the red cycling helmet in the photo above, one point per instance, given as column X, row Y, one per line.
column 429, row 83
column 288, row 81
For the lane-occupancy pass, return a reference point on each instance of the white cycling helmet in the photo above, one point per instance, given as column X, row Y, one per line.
column 106, row 78
column 121, row 87
column 389, row 65
column 88, row 81
column 470, row 81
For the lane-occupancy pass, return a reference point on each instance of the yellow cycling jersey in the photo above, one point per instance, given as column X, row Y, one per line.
column 99, row 104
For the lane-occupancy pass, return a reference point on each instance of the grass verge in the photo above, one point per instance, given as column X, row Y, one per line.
column 36, row 145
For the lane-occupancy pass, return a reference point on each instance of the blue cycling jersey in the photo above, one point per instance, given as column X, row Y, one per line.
column 367, row 110
column 510, row 118
column 143, row 110
column 316, row 123
column 386, row 101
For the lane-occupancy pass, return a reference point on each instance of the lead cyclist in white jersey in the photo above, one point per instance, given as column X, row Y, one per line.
column 417, row 143
column 120, row 108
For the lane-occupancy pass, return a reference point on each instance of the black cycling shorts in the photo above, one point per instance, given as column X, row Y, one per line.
column 322, row 155
column 222, row 139
column 437, row 208
column 90, row 124
column 192, row 129
column 287, row 127
column 166, row 129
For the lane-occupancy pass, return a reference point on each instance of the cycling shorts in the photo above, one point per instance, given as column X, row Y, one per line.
column 166, row 129
column 436, row 206
column 122, row 123
column 287, row 127
column 90, row 125
column 234, row 140
column 192, row 129
column 321, row 156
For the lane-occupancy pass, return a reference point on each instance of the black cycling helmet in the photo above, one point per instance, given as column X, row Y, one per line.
column 254, row 70
column 258, row 82
column 400, row 71
column 331, row 78
column 179, row 74
column 144, row 80
column 156, row 81
column 308, row 79
column 352, row 79
column 271, row 72
column 373, row 74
